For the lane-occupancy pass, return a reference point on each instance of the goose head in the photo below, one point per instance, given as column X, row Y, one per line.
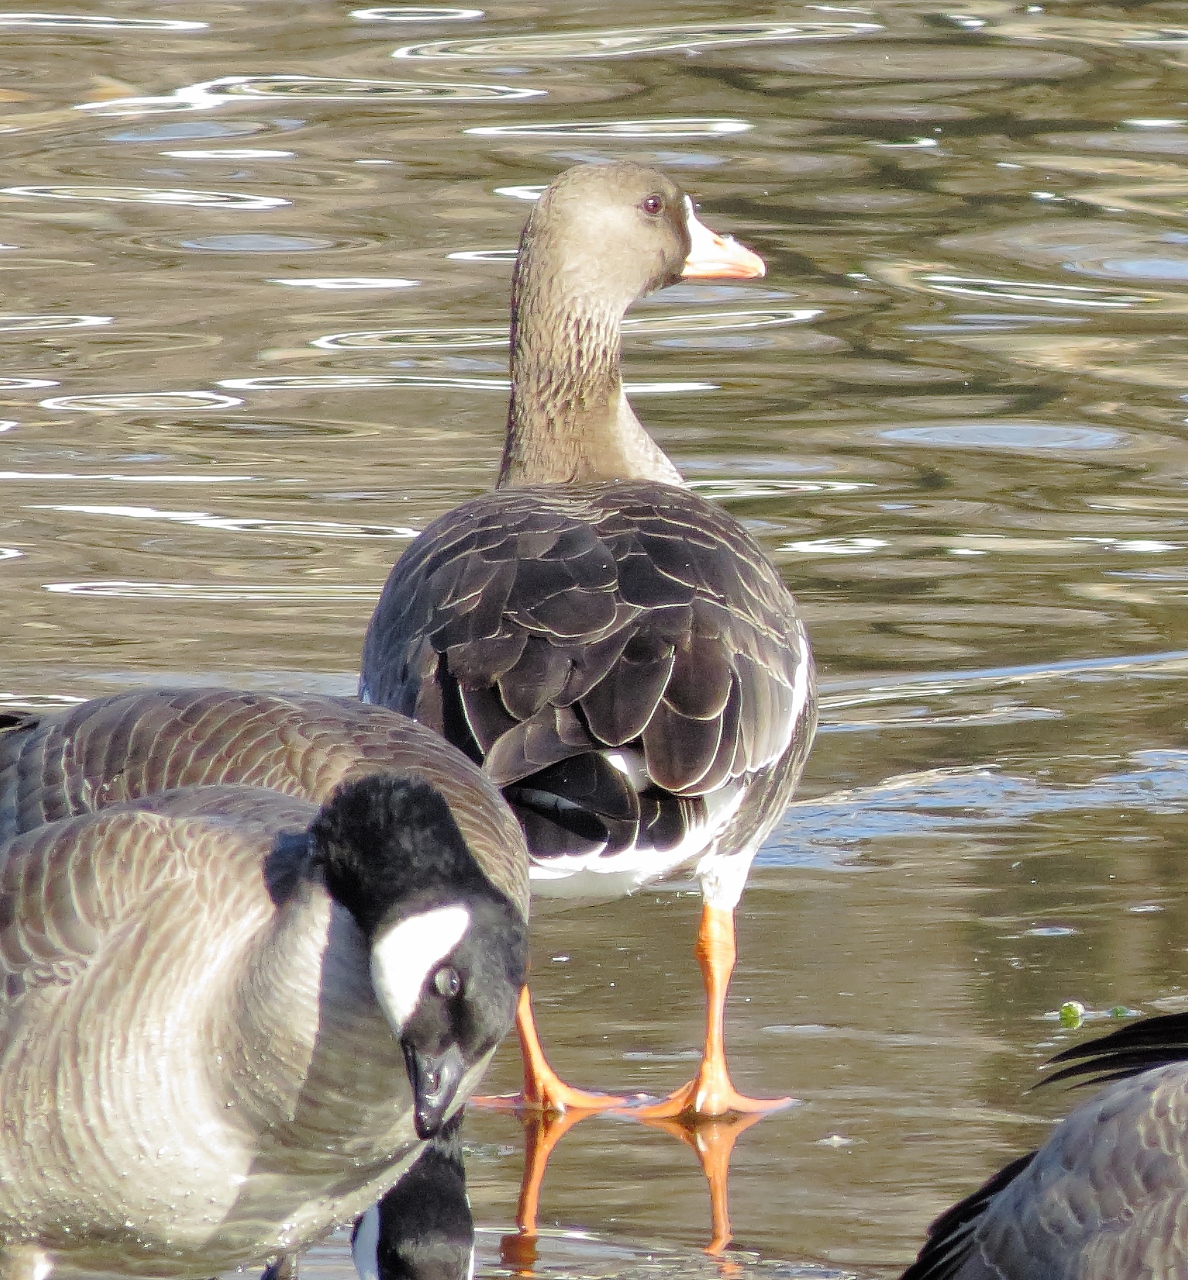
column 448, row 951
column 599, row 238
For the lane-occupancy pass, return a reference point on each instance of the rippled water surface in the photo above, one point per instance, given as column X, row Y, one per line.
column 254, row 261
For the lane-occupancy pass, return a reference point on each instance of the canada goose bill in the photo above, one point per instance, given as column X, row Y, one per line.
column 617, row 651
column 268, row 1005
column 1103, row 1198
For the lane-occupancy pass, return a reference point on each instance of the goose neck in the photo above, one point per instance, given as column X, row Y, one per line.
column 569, row 420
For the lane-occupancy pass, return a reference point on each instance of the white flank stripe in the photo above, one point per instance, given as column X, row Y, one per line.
column 403, row 955
column 800, row 686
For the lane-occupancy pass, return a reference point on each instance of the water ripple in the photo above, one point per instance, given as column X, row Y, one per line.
column 209, row 94
column 415, row 13
column 352, row 381
column 1087, row 246
column 14, row 324
column 124, row 478
column 476, row 336
column 232, row 153
column 125, row 590
column 964, row 798
column 620, row 41
column 483, row 255
column 349, row 282
column 1090, row 31
column 1162, row 199
column 351, row 89
column 27, row 384
column 150, row 195
column 1006, row 435
column 146, row 402
column 928, row 63
column 670, row 127
column 724, row 490
column 241, row 524
column 98, row 22
column 939, row 278
column 418, row 339
column 1151, row 362
column 716, row 321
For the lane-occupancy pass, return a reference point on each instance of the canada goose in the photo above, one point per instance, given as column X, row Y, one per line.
column 133, row 748
column 1106, row 1197
column 423, row 1228
column 246, row 1011
column 618, row 652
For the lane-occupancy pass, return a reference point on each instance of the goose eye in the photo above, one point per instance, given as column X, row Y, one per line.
column 652, row 205
column 447, row 982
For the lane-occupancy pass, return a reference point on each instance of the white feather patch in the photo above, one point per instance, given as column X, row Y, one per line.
column 403, row 955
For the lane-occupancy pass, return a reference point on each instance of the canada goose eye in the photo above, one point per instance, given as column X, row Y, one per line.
column 652, row 204
column 447, row 982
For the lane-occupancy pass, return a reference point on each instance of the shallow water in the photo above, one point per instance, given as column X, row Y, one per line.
column 255, row 261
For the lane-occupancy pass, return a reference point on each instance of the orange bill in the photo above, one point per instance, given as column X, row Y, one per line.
column 715, row 257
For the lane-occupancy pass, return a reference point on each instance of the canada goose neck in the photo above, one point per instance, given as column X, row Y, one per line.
column 568, row 420
column 270, row 1028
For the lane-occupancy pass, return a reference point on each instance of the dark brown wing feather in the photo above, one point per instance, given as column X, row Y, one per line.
column 134, row 745
column 535, row 626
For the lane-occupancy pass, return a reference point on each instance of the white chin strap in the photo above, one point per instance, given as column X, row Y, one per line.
column 405, row 953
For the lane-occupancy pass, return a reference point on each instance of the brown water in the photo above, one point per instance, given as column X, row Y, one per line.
column 254, row 279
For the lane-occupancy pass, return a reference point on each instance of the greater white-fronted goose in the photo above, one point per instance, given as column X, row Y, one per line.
column 249, row 1013
column 1106, row 1197
column 618, row 652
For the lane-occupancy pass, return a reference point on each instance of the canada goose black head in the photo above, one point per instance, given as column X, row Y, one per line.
column 448, row 950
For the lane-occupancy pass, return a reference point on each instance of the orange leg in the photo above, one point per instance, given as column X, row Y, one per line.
column 544, row 1090
column 713, row 1141
column 710, row 1094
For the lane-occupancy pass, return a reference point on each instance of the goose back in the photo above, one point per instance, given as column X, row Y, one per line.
column 623, row 659
column 133, row 745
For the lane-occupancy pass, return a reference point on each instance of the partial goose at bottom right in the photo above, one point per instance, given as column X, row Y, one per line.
column 1106, row 1197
